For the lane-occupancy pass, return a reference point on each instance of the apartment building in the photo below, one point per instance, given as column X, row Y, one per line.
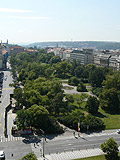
column 86, row 56
column 102, row 60
column 17, row 49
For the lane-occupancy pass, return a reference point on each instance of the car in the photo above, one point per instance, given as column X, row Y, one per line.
column 118, row 131
column 2, row 155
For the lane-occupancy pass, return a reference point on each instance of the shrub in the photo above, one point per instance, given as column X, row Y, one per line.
column 81, row 87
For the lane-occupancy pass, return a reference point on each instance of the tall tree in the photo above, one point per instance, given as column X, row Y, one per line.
column 109, row 100
column 92, row 105
column 110, row 147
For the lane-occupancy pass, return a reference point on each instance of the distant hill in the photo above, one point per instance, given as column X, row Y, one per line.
column 78, row 44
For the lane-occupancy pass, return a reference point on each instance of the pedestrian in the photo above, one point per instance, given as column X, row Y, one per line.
column 74, row 133
column 34, row 145
column 12, row 155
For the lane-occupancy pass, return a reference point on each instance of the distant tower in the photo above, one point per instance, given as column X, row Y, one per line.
column 7, row 41
column 1, row 41
column 57, row 45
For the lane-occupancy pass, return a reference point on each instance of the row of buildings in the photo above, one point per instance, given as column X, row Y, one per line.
column 87, row 56
column 6, row 50
column 4, row 53
column 104, row 58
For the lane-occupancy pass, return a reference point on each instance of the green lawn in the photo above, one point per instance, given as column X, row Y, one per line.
column 78, row 96
column 89, row 89
column 101, row 157
column 87, row 84
column 78, row 102
column 112, row 121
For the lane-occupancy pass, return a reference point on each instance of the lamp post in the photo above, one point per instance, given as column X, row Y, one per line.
column 43, row 141
column 79, row 127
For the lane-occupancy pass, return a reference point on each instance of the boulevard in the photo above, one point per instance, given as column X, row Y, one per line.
column 78, row 143
column 5, row 98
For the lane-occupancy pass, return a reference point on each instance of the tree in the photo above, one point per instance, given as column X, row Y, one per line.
column 81, row 87
column 40, row 115
column 109, row 100
column 110, row 147
column 24, row 119
column 73, row 81
column 92, row 105
column 55, row 59
column 69, row 98
column 57, row 103
column 112, row 81
column 29, row 156
column 93, row 122
column 96, row 77
column 79, row 71
column 18, row 96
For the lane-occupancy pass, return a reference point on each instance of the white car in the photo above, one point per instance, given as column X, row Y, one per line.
column 118, row 131
column 2, row 155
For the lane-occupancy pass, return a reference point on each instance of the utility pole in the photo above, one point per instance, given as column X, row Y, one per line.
column 79, row 127
column 43, row 142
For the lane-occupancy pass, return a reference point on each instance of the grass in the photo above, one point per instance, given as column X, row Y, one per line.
column 78, row 96
column 112, row 121
column 101, row 157
column 87, row 84
column 89, row 89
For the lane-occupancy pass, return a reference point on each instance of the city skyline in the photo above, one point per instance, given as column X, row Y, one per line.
column 31, row 21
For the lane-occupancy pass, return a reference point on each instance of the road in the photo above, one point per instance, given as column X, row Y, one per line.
column 10, row 145
column 5, row 98
column 79, row 143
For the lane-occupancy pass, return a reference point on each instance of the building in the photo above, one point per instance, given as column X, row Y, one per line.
column 86, row 56
column 17, row 49
column 102, row 60
column 113, row 62
column 4, row 53
column 66, row 54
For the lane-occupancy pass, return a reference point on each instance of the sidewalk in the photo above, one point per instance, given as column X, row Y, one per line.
column 69, row 134
column 74, row 154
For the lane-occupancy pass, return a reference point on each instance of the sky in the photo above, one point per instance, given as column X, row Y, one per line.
column 28, row 21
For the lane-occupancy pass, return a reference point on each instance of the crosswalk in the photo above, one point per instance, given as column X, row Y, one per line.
column 101, row 134
column 10, row 138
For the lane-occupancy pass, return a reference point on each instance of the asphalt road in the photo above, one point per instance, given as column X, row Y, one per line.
column 18, row 149
column 5, row 97
column 78, row 143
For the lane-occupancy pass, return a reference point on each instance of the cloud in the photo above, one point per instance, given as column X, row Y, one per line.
column 14, row 10
column 29, row 17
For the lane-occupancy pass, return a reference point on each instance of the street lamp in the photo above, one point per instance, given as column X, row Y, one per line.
column 79, row 126
column 43, row 141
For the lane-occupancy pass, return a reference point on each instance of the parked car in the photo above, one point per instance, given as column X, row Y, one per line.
column 2, row 155
column 118, row 131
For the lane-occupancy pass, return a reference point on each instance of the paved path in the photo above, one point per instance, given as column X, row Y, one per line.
column 73, row 155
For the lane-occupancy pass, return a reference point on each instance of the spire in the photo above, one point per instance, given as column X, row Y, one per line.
column 7, row 41
column 57, row 45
